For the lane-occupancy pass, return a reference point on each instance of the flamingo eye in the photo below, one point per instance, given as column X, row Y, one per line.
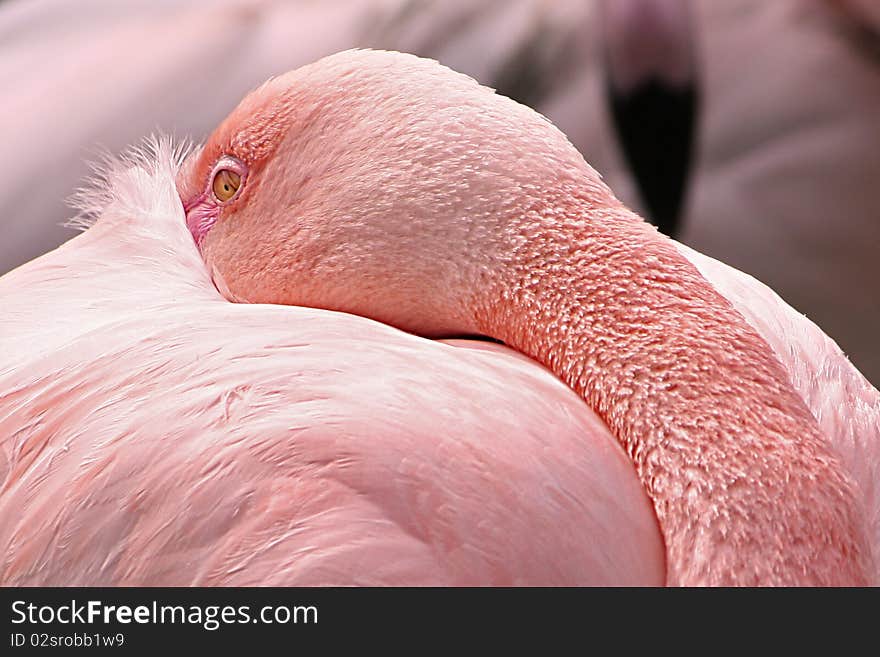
column 225, row 184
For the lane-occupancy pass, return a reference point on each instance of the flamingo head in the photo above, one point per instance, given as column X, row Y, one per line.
column 380, row 184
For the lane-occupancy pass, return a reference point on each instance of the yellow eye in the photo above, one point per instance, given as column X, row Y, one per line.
column 226, row 183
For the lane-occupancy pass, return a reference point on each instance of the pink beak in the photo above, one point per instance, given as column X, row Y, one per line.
column 200, row 216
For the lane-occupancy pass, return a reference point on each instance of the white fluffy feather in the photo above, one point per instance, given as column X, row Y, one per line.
column 135, row 180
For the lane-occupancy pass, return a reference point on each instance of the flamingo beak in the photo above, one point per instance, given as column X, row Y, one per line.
column 201, row 214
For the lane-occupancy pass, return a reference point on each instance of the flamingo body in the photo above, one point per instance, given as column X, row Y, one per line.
column 171, row 438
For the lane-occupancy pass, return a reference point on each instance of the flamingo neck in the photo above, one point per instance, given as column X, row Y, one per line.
column 745, row 488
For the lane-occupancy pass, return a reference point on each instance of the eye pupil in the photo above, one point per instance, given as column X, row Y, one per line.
column 226, row 184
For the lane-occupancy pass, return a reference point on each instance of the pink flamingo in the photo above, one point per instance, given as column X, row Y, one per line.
column 168, row 437
column 372, row 456
column 466, row 213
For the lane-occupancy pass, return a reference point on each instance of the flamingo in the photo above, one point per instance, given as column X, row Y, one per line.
column 653, row 94
column 206, row 445
column 464, row 213
column 151, row 433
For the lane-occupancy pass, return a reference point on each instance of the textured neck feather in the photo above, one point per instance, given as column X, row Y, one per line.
column 746, row 489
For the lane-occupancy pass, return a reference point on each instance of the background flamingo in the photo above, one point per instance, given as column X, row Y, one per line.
column 653, row 93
